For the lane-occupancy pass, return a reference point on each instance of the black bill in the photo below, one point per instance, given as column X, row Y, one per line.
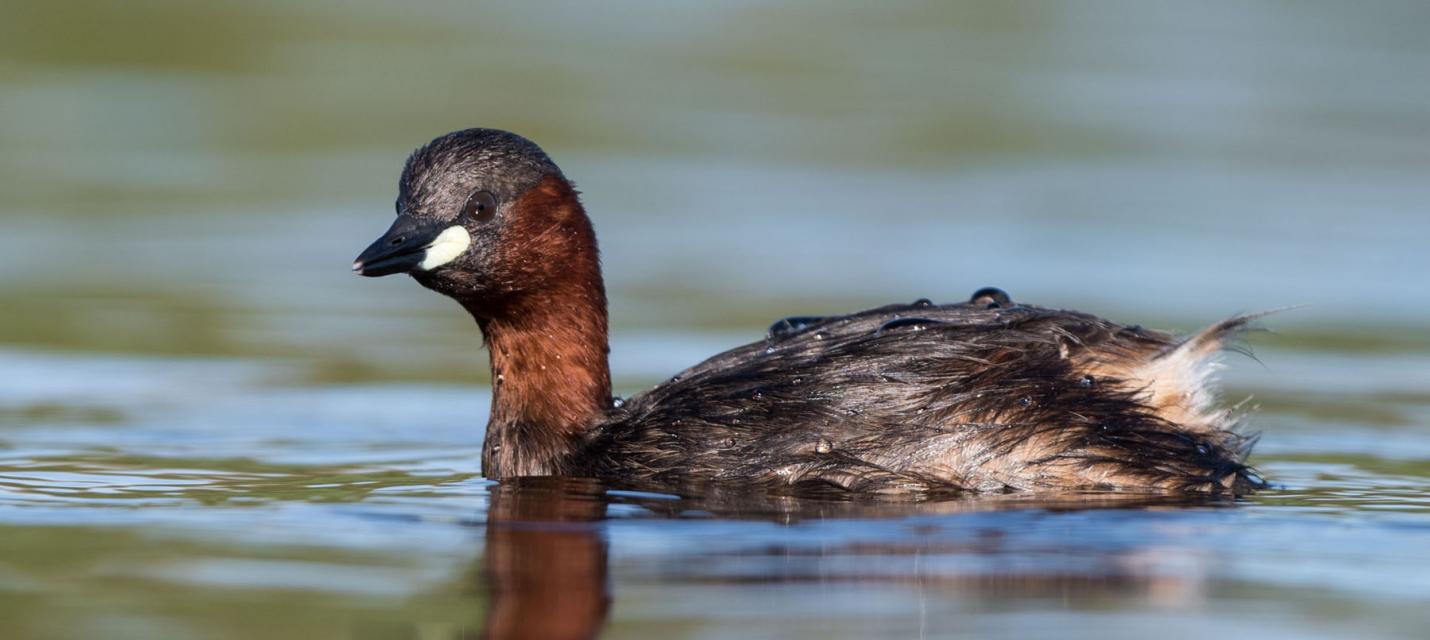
column 400, row 250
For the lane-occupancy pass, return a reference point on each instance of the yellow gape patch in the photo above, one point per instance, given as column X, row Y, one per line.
column 452, row 242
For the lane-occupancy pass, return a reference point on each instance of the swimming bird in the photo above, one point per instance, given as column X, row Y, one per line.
column 979, row 396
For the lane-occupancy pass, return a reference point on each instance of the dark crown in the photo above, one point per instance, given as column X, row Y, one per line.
column 498, row 161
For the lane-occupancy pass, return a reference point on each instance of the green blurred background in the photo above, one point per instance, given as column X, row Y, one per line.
column 194, row 178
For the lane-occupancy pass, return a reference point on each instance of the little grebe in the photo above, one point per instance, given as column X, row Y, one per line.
column 985, row 395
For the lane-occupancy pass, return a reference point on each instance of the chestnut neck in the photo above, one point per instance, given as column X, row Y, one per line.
column 547, row 338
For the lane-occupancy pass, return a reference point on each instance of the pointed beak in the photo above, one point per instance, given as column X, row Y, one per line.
column 411, row 245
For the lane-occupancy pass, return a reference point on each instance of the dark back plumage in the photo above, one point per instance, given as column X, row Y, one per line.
column 927, row 398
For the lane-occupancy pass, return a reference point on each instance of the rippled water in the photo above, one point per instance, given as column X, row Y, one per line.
column 214, row 498
column 209, row 429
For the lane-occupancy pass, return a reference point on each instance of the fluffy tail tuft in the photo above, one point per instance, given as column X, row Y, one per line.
column 1180, row 382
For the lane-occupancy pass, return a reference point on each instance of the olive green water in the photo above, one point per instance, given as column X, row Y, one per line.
column 210, row 429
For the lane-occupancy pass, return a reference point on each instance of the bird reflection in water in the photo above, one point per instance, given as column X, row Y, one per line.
column 546, row 571
column 545, row 561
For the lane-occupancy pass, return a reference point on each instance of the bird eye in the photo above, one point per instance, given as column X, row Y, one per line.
column 481, row 206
